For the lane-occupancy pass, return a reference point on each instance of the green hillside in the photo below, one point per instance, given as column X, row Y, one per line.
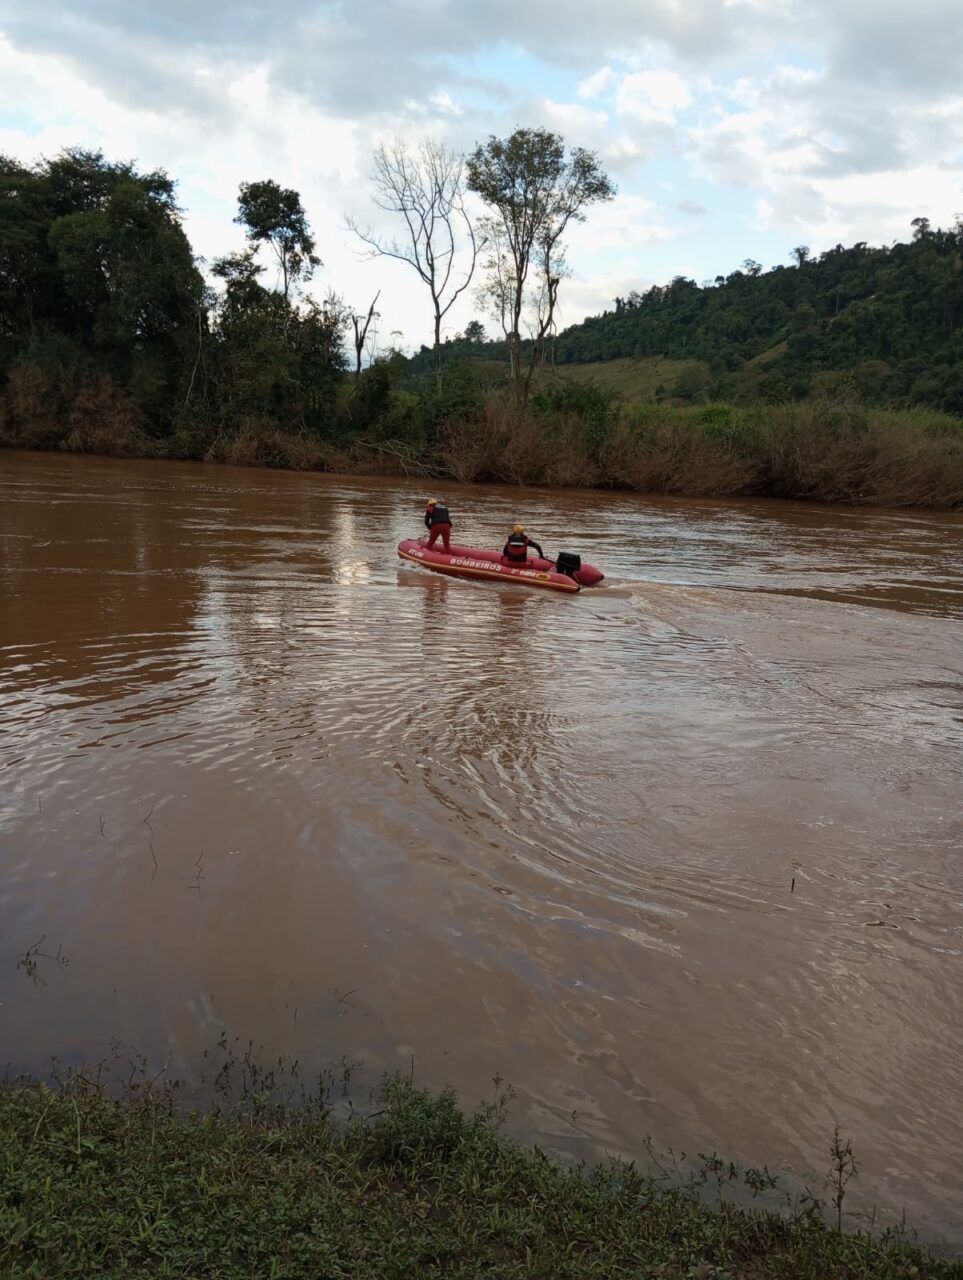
column 647, row 378
column 887, row 321
column 891, row 317
column 634, row 381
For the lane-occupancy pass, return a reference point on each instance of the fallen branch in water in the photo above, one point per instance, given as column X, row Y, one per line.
column 410, row 460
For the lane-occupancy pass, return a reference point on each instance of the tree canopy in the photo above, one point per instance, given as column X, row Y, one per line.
column 533, row 192
column 99, row 287
column 274, row 216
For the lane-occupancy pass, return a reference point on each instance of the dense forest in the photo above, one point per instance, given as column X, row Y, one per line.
column 784, row 382
column 106, row 322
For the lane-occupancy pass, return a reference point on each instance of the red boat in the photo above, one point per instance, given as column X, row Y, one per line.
column 470, row 562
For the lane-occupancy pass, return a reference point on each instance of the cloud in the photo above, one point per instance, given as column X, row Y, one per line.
column 596, row 84
column 359, row 59
column 590, row 295
column 652, row 96
column 831, row 120
column 836, row 160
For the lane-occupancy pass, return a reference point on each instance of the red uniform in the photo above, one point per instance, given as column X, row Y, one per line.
column 438, row 524
column 515, row 550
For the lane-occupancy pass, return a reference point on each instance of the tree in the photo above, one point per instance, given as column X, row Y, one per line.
column 97, row 278
column 474, row 332
column 801, row 254
column 534, row 192
column 272, row 363
column 361, row 324
column 274, row 215
column 426, row 188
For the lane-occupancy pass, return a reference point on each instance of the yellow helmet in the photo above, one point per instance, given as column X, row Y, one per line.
column 519, row 529
column 432, row 502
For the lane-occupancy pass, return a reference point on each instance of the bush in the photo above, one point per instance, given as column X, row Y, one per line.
column 260, row 443
column 41, row 409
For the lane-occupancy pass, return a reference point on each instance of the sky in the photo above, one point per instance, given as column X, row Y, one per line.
column 733, row 129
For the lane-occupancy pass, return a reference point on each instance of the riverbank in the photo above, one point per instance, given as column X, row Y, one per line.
column 97, row 1186
column 571, row 436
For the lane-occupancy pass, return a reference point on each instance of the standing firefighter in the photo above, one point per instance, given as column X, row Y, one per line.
column 438, row 523
column 515, row 550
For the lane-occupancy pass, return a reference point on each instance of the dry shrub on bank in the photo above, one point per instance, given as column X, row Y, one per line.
column 667, row 454
column 659, row 455
column 31, row 416
column 464, row 450
column 260, row 443
column 78, row 415
column 504, row 444
column 101, row 419
column 829, row 451
column 917, row 470
column 881, row 459
column 375, row 457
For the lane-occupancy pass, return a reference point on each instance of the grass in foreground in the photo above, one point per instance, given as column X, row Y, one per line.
column 90, row 1186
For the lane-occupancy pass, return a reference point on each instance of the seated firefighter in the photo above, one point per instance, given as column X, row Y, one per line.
column 515, row 550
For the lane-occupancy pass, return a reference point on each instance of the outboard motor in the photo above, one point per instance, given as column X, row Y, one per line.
column 568, row 563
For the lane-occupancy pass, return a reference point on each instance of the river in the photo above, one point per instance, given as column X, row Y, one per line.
column 681, row 856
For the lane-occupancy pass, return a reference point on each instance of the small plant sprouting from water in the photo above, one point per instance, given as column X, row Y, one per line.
column 496, row 1111
column 843, row 1169
column 726, row 1173
column 199, row 874
column 28, row 961
column 150, row 839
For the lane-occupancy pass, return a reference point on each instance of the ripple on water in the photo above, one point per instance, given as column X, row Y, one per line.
column 683, row 858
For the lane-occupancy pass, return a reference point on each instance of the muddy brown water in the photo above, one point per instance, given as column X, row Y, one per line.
column 679, row 857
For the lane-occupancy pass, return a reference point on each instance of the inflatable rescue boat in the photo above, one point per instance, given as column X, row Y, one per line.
column 567, row 573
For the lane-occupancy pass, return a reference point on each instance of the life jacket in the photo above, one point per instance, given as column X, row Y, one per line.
column 516, row 548
column 439, row 514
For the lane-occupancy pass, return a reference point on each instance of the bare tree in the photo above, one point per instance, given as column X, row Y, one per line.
column 361, row 325
column 513, row 307
column 426, row 188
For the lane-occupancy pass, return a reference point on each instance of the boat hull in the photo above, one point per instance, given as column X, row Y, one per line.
column 470, row 562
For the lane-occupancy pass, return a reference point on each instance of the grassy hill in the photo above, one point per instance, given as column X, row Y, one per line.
column 634, row 380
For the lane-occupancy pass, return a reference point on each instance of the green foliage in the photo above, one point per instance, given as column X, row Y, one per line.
column 458, row 396
column 372, row 396
column 593, row 404
column 91, row 1186
column 101, row 302
column 533, row 191
column 274, row 215
column 534, row 187
column 94, row 264
column 893, row 316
